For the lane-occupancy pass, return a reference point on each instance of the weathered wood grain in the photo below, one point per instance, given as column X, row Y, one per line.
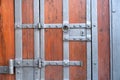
column 28, row 34
column 53, row 39
column 6, row 35
column 103, row 40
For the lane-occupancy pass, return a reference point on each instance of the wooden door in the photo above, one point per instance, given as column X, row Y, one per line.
column 41, row 38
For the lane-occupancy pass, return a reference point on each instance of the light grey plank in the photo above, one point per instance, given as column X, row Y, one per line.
column 111, row 42
column 94, row 41
column 36, row 39
column 66, row 43
column 18, row 37
column 88, row 23
column 42, row 38
column 116, row 39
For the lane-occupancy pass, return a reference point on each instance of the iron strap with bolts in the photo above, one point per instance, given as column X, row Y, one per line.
column 77, row 32
column 71, row 32
column 35, row 63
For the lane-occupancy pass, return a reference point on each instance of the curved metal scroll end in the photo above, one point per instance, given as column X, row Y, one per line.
column 11, row 66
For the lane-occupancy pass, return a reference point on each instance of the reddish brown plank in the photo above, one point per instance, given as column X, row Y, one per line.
column 104, row 39
column 53, row 44
column 78, row 53
column 77, row 11
column 53, row 39
column 6, row 35
column 78, row 49
column 53, row 51
column 28, row 34
column 53, row 11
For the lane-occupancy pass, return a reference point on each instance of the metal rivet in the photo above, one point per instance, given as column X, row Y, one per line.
column 94, row 25
column 88, row 26
column 94, row 63
column 65, row 39
column 74, row 26
column 80, row 26
column 56, row 26
column 27, row 26
column 79, row 38
column 18, row 63
column 49, row 63
column 74, row 63
column 88, row 39
column 82, row 33
column 18, row 72
column 113, row 11
column 74, row 39
column 49, row 26
column 5, row 70
column 56, row 63
column 27, row 63
column 17, row 26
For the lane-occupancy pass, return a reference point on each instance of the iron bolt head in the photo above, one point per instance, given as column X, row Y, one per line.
column 18, row 63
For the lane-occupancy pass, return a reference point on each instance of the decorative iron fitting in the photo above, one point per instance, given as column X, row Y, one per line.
column 4, row 69
column 35, row 63
column 41, row 26
column 28, row 26
column 77, row 35
column 65, row 28
column 88, row 25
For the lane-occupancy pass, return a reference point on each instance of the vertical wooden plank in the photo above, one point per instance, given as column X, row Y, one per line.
column 103, row 40
column 53, row 46
column 28, row 37
column 6, row 35
column 78, row 53
column 53, row 39
column 53, row 11
column 77, row 11
column 78, row 49
column 28, row 34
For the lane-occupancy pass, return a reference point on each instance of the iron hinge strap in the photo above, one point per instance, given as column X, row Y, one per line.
column 41, row 26
column 35, row 63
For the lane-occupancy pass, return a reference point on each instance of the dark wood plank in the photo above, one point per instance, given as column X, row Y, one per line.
column 28, row 34
column 6, row 35
column 53, row 39
column 53, row 46
column 104, row 39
